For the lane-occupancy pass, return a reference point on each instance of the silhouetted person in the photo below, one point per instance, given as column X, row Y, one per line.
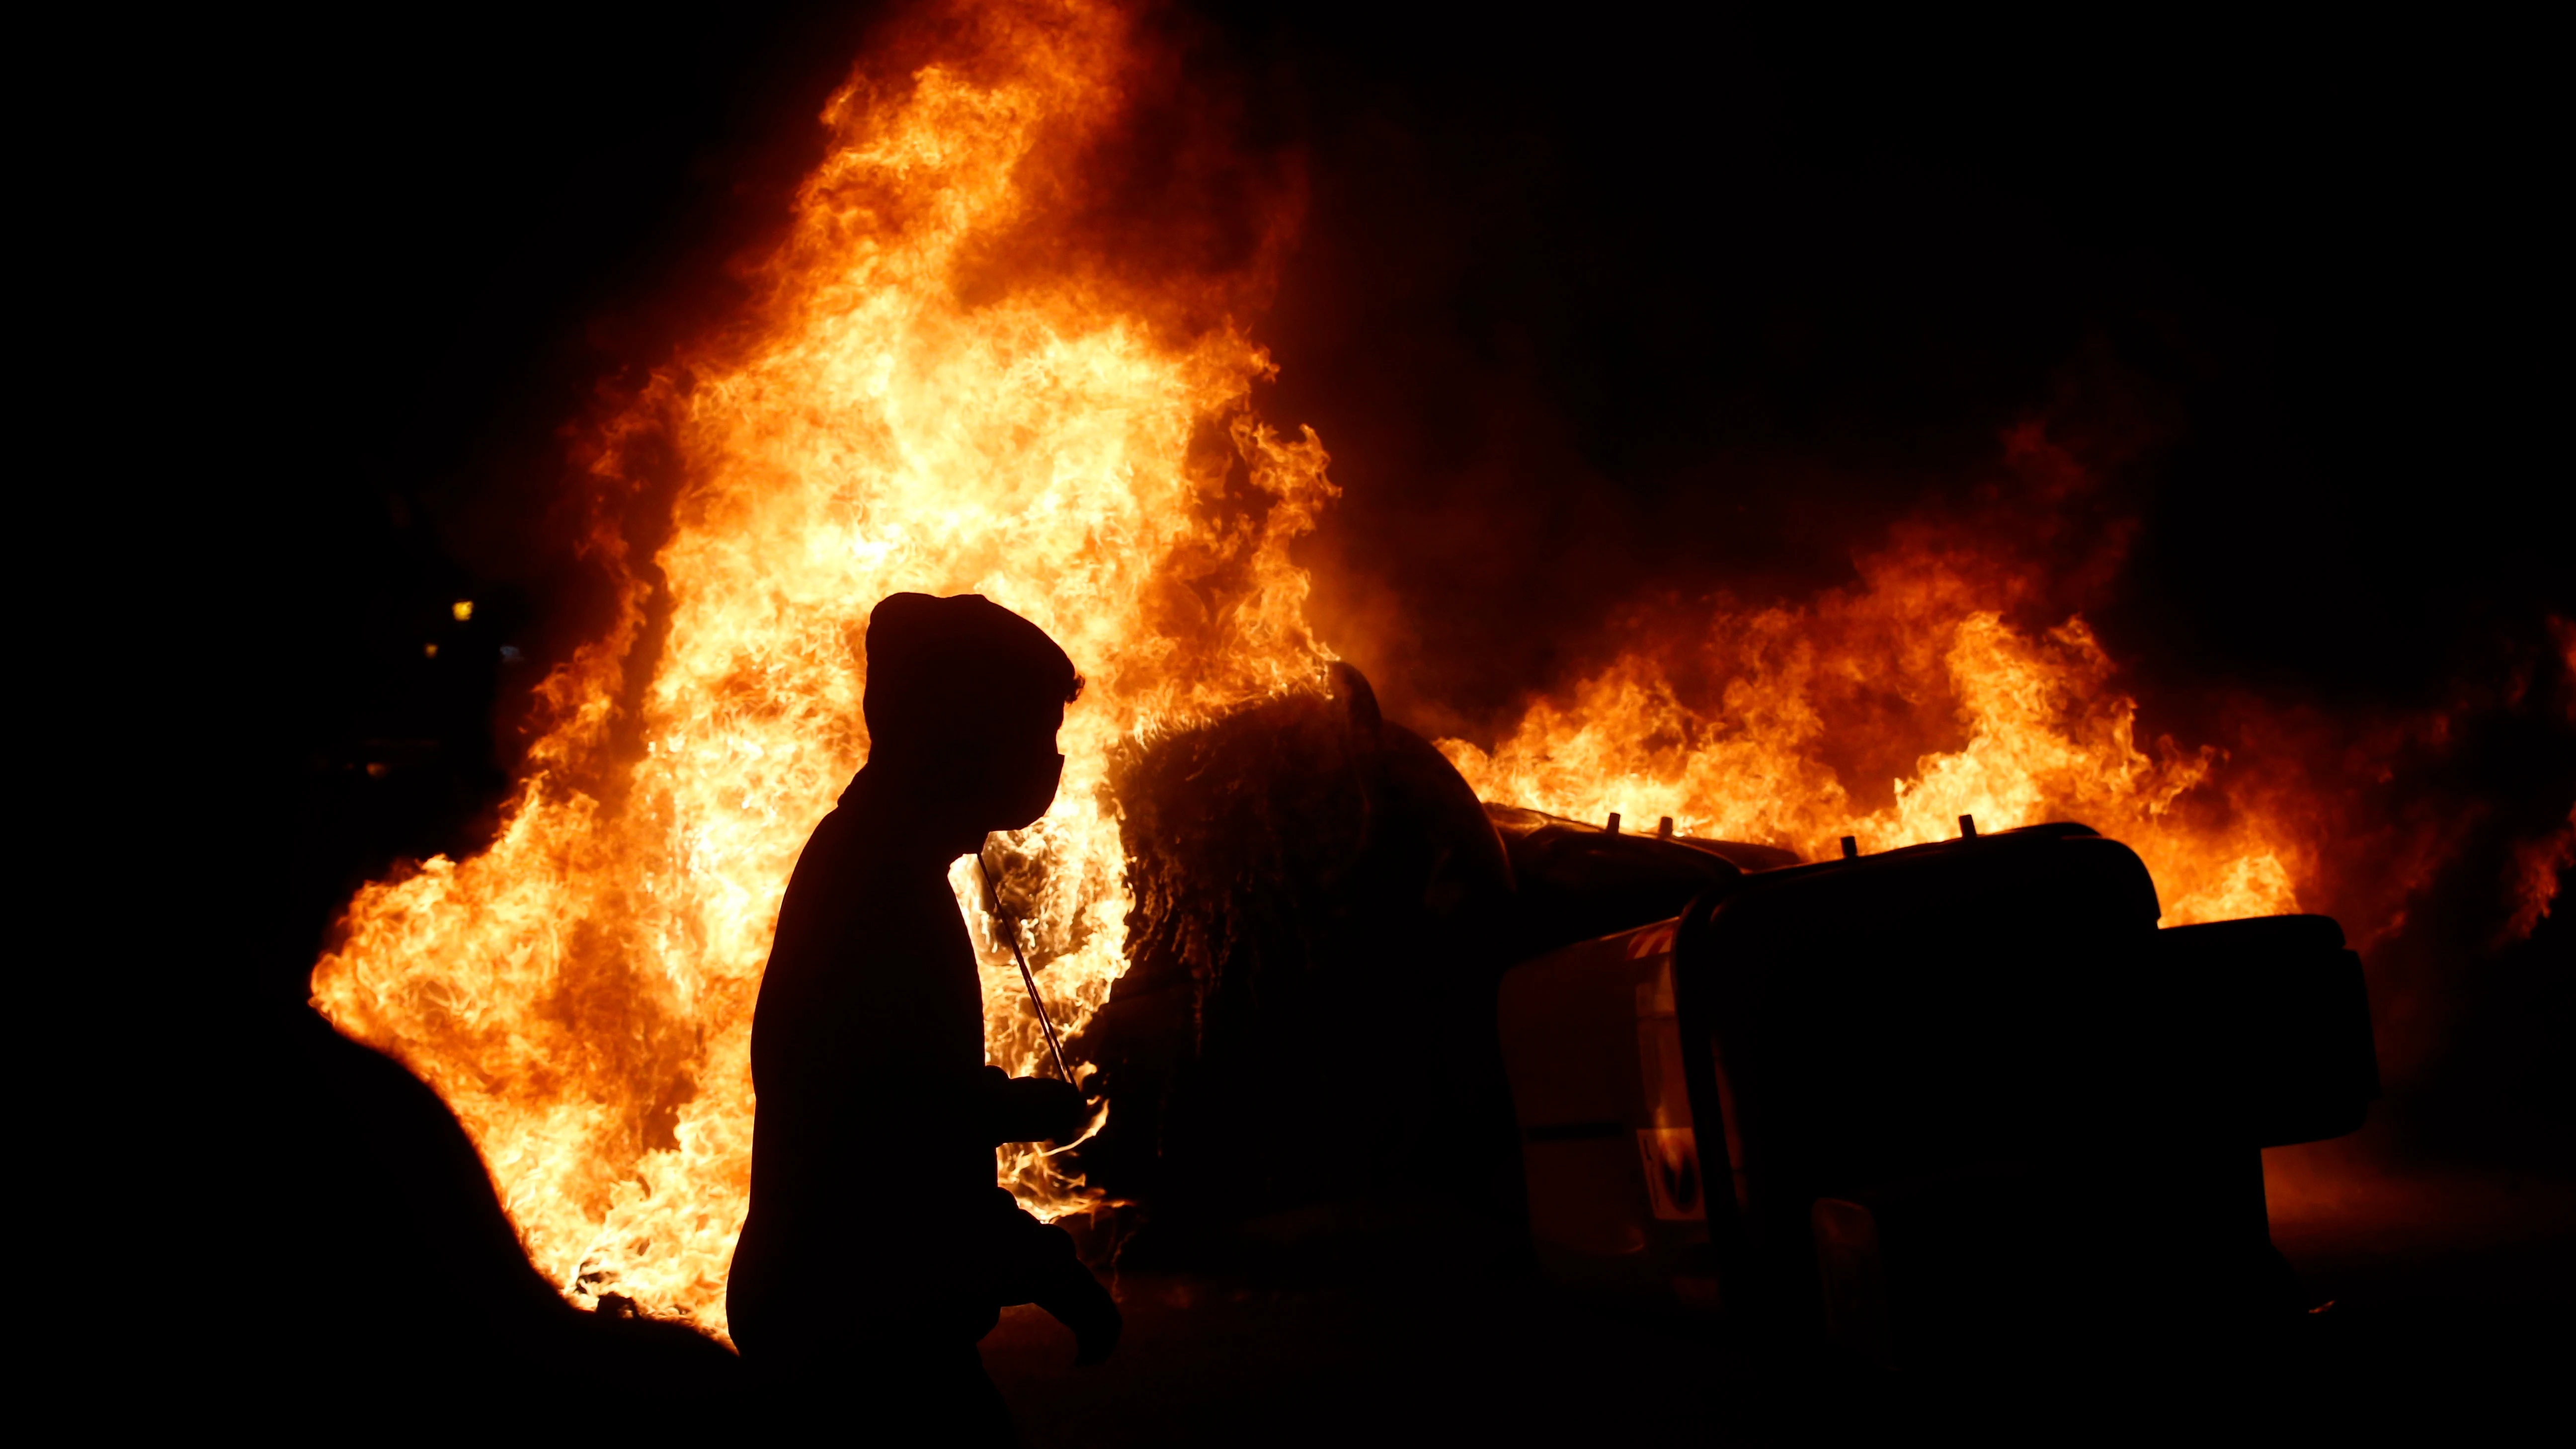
column 381, row 1278
column 878, row 1248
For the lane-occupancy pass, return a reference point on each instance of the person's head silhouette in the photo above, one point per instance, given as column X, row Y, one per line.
column 963, row 702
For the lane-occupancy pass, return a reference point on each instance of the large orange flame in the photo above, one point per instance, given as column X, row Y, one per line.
column 1920, row 650
column 581, row 992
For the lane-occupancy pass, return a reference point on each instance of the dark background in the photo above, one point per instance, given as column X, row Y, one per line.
column 1587, row 306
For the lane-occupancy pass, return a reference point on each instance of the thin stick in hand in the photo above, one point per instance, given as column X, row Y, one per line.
column 1028, row 978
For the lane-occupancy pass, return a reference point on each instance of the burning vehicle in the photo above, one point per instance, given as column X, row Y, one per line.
column 1925, row 1089
column 1906, row 1094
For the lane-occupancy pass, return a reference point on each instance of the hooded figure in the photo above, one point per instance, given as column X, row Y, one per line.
column 879, row 1248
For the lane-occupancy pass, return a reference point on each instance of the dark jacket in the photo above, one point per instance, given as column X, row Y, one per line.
column 875, row 1222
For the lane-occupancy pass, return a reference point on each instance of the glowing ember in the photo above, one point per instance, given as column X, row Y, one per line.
column 581, row 993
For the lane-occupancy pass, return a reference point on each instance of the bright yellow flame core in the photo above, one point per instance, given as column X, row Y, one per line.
column 581, row 993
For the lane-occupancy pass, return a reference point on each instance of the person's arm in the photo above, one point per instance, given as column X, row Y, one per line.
column 1035, row 1262
column 1028, row 1109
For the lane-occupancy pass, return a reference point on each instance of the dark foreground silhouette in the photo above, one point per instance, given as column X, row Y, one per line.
column 878, row 1249
column 373, row 1282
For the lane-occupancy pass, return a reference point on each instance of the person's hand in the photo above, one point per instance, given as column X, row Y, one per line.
column 1044, row 1109
column 1085, row 1307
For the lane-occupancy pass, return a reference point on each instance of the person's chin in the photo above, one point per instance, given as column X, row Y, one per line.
column 1023, row 814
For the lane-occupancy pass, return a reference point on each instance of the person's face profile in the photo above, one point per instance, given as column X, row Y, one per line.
column 1026, row 771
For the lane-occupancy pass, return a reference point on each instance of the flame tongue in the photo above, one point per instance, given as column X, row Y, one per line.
column 581, row 993
column 1919, row 652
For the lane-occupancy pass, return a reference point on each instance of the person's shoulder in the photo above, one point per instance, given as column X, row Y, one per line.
column 840, row 880
column 836, row 847
column 845, row 838
column 837, row 827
